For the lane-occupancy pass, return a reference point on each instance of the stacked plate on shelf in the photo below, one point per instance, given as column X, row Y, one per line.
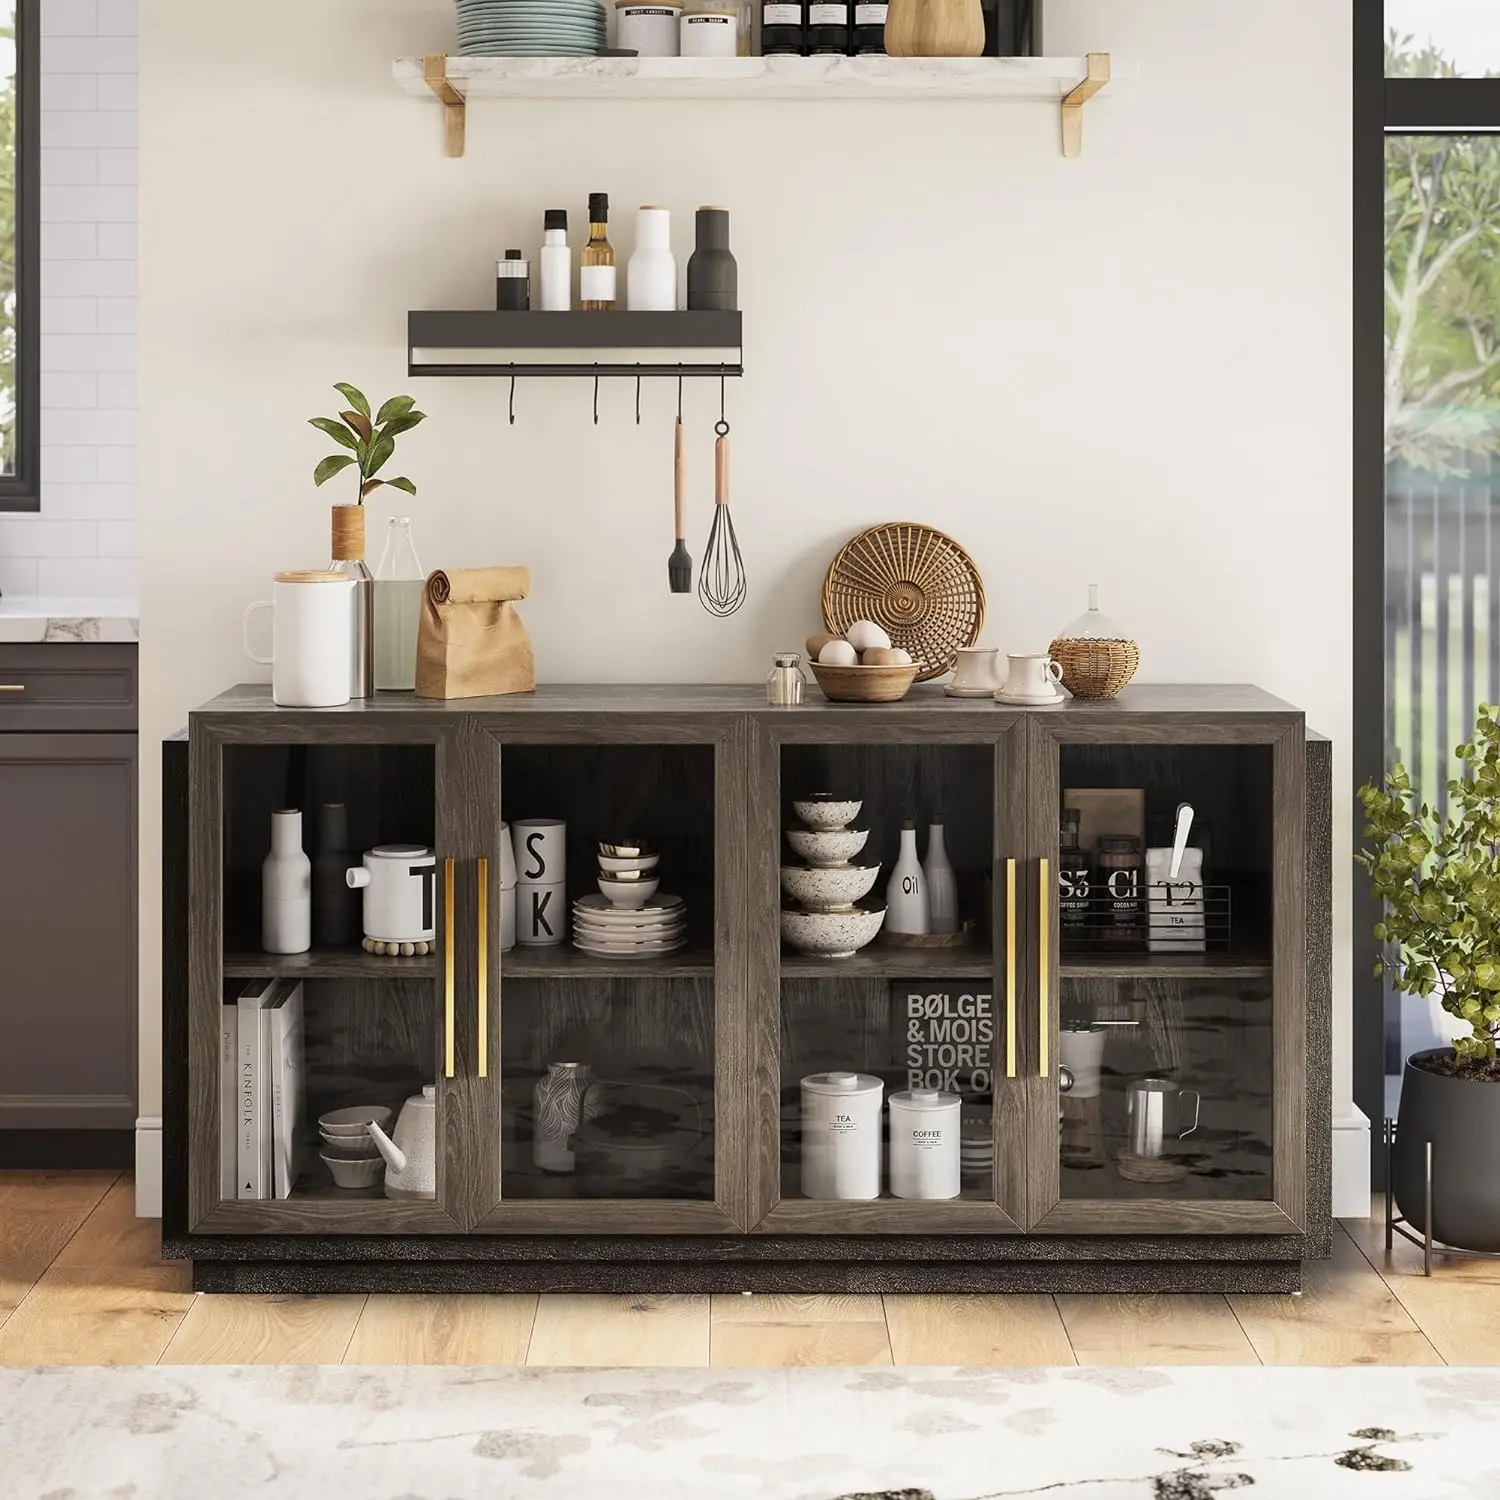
column 609, row 931
column 976, row 1143
column 530, row 28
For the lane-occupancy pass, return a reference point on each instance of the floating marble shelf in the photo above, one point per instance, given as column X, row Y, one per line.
column 1066, row 82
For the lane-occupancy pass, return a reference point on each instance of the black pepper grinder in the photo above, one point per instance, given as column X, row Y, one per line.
column 512, row 283
column 713, row 278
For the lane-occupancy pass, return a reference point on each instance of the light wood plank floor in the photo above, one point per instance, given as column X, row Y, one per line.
column 81, row 1282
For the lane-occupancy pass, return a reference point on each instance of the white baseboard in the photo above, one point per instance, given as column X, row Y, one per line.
column 1351, row 1165
column 148, row 1167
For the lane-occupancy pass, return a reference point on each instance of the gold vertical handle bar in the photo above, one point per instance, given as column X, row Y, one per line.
column 12, row 687
column 484, row 968
column 1010, row 968
column 447, row 968
column 1044, row 968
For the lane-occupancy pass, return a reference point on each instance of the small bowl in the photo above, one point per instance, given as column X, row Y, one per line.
column 623, row 864
column 626, row 848
column 826, row 813
column 354, row 1174
column 346, row 1149
column 828, row 890
column 630, row 895
column 626, row 877
column 827, row 850
column 832, row 934
column 354, row 1121
column 864, row 684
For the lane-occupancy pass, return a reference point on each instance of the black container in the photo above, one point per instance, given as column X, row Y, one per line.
column 828, row 27
column 783, row 28
column 513, row 284
column 1013, row 28
column 713, row 278
column 337, row 912
column 1461, row 1117
column 869, row 27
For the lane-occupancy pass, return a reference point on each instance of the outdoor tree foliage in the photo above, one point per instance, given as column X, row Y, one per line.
column 1442, row 286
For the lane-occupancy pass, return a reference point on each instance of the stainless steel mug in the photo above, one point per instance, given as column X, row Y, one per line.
column 1155, row 1109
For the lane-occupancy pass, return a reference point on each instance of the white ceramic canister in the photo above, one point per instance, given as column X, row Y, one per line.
column 311, row 638
column 1082, row 1053
column 399, row 882
column 651, row 275
column 647, row 30
column 541, row 851
column 924, row 1144
column 841, row 1136
column 507, row 890
column 709, row 33
column 541, row 915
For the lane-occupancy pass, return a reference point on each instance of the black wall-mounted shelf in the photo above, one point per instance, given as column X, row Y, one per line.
column 638, row 343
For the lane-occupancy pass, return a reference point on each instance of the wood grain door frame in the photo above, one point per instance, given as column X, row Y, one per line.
column 1286, row 1211
column 769, row 1212
column 208, row 737
column 727, row 734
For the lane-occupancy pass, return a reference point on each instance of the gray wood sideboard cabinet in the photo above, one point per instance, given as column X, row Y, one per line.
column 67, row 904
column 1046, row 1012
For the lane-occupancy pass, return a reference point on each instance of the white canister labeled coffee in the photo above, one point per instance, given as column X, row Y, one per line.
column 647, row 30
column 400, row 886
column 841, row 1136
column 924, row 1144
column 709, row 33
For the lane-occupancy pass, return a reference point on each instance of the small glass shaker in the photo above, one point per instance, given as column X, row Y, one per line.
column 786, row 684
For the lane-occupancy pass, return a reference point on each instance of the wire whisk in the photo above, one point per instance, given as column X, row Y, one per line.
column 721, row 579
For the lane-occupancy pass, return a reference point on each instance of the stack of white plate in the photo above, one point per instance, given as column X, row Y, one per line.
column 976, row 1144
column 530, row 28
column 609, row 931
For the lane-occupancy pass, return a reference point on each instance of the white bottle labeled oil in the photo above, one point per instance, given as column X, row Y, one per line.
column 942, row 884
column 906, row 904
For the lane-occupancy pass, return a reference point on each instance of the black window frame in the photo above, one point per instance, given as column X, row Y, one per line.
column 1382, row 106
column 22, row 491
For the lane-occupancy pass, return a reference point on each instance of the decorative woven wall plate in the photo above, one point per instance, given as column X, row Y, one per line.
column 916, row 583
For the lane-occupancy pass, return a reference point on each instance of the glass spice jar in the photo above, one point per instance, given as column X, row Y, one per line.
column 786, row 684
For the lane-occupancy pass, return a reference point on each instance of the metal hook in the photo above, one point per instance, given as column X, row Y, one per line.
column 512, row 400
column 596, row 401
column 721, row 403
column 638, row 393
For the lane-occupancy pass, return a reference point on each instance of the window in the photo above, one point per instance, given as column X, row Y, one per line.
column 1443, row 38
column 19, row 439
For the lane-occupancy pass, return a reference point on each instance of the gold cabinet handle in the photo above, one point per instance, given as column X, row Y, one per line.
column 12, row 687
column 483, row 892
column 1010, row 968
column 1044, row 968
column 447, row 968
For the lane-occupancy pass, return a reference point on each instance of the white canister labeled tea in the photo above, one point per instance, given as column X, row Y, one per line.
column 924, row 1144
column 709, row 33
column 841, row 1136
column 647, row 30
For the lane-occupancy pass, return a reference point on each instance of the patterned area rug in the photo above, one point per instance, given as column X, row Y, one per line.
column 916, row 1434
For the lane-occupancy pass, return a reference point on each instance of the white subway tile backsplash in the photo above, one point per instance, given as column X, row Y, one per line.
column 83, row 541
column 89, row 577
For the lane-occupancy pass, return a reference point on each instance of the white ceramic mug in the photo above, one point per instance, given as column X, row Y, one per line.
column 1033, row 677
column 400, row 886
column 541, row 915
column 311, row 639
column 541, row 850
column 975, row 673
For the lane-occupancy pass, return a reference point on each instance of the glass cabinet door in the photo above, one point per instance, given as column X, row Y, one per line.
column 1168, row 994
column 885, row 1095
column 306, row 1030
column 615, row 903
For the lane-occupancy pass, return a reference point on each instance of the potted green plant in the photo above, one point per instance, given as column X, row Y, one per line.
column 1439, row 880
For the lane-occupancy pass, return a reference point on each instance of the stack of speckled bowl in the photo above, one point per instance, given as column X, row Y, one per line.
column 530, row 28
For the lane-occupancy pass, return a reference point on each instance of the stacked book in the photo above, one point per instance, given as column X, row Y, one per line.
column 262, row 1091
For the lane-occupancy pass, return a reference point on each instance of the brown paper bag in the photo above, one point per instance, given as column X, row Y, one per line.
column 472, row 641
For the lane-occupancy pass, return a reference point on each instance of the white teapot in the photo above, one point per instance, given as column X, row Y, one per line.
column 411, row 1158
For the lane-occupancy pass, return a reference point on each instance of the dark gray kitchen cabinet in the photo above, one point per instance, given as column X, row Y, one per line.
column 67, row 904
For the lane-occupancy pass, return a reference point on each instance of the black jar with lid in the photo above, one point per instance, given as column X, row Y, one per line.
column 512, row 283
column 1122, row 873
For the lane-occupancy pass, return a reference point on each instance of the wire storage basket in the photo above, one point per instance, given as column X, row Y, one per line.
column 917, row 584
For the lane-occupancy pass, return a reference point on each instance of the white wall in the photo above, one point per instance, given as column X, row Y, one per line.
column 1131, row 368
column 83, row 540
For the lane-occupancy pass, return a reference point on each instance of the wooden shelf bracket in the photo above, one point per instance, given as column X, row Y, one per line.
column 1073, row 102
column 455, row 106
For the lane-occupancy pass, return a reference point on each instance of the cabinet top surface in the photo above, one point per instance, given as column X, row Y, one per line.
column 726, row 699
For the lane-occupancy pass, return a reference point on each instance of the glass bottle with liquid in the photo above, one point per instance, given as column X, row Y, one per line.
column 596, row 261
column 399, row 581
column 1074, row 872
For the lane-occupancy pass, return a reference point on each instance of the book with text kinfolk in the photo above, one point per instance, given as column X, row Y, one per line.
column 229, row 1073
column 253, row 1115
column 284, row 1018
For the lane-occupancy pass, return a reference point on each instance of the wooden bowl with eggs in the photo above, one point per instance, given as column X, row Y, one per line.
column 860, row 666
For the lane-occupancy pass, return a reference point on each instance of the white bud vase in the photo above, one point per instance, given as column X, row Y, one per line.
column 286, row 888
column 906, row 906
column 942, row 884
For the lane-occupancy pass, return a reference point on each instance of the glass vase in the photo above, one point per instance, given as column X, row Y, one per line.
column 399, row 581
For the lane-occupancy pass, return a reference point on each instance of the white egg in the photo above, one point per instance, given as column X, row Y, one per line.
column 903, row 655
column 863, row 634
column 838, row 654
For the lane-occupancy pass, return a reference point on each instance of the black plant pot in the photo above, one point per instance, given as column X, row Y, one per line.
column 1461, row 1117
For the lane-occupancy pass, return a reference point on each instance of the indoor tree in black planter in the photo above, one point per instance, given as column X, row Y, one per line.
column 1440, row 882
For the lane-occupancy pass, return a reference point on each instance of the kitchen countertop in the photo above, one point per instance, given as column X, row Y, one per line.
column 47, row 617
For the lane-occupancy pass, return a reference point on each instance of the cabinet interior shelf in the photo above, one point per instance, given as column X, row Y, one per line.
column 1066, row 83
column 483, row 343
column 563, row 962
column 879, row 961
column 1164, row 966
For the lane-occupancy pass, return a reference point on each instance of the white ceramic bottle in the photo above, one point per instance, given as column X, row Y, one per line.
column 906, row 904
column 556, row 262
column 942, row 884
column 924, row 1144
column 651, row 276
column 286, row 888
column 841, row 1136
